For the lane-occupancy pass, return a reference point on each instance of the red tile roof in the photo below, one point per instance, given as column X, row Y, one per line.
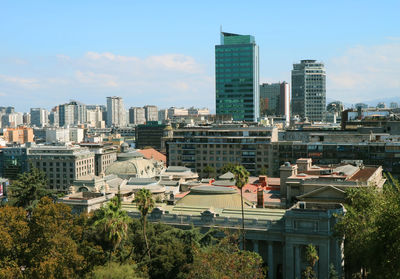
column 363, row 174
column 151, row 153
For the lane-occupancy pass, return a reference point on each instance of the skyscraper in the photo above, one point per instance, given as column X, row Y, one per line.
column 309, row 90
column 116, row 114
column 72, row 113
column 137, row 115
column 237, row 77
column 151, row 113
column 39, row 117
column 274, row 99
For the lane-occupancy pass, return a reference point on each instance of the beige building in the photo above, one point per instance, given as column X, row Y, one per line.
column 304, row 181
column 105, row 155
column 62, row 163
column 197, row 147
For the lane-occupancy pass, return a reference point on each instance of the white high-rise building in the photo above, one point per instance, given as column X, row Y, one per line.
column 116, row 114
column 151, row 113
column 137, row 115
column 39, row 117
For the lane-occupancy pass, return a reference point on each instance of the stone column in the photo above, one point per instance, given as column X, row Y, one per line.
column 271, row 269
column 297, row 261
column 255, row 245
column 289, row 262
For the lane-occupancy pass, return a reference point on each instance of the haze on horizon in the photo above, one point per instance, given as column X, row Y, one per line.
column 162, row 52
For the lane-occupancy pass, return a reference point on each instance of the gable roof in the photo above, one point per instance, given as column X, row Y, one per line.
column 316, row 194
column 151, row 153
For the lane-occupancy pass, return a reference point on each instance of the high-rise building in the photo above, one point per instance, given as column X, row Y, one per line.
column 39, row 117
column 162, row 115
column 237, row 77
column 137, row 115
column 151, row 113
column 274, row 99
column 72, row 113
column 309, row 90
column 116, row 115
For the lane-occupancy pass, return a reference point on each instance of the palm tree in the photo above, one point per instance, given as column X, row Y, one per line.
column 241, row 177
column 145, row 203
column 113, row 224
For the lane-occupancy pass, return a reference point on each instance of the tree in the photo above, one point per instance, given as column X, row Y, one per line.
column 332, row 272
column 145, row 203
column 112, row 223
column 263, row 171
column 371, row 231
column 229, row 167
column 209, row 170
column 116, row 271
column 225, row 260
column 53, row 242
column 29, row 188
column 14, row 232
column 311, row 258
column 241, row 178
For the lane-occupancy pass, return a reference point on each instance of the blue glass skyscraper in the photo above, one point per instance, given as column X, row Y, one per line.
column 237, row 77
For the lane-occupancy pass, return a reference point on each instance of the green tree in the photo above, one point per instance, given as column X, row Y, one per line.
column 229, row 167
column 209, row 171
column 116, row 271
column 145, row 203
column 311, row 258
column 28, row 189
column 53, row 242
column 14, row 232
column 225, row 260
column 112, row 223
column 263, row 171
column 241, row 178
column 332, row 272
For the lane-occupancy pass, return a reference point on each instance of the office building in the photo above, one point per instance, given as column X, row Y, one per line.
column 137, row 115
column 39, row 117
column 13, row 160
column 173, row 111
column 62, row 164
column 275, row 99
column 104, row 155
column 198, row 111
column 19, row 135
column 309, row 90
column 151, row 113
column 116, row 115
column 73, row 113
column 218, row 145
column 163, row 115
column 150, row 135
column 237, row 77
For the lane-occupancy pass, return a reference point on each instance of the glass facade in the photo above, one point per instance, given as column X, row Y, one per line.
column 237, row 77
column 309, row 90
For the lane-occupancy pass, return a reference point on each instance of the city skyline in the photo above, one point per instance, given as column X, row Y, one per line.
column 54, row 52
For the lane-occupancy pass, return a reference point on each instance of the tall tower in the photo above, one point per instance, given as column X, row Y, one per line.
column 116, row 114
column 237, row 77
column 309, row 90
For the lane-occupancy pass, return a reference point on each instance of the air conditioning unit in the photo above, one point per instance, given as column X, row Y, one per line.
column 302, row 205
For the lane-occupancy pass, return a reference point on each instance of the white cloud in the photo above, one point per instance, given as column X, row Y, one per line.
column 163, row 80
column 365, row 73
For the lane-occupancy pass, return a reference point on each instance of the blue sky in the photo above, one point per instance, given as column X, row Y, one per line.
column 162, row 52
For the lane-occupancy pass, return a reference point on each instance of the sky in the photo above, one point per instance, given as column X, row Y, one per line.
column 162, row 52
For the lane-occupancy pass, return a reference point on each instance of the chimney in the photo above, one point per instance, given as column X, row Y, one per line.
column 263, row 180
column 286, row 170
column 260, row 197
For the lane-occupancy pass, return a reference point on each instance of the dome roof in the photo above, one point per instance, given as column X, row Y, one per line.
column 212, row 197
column 136, row 167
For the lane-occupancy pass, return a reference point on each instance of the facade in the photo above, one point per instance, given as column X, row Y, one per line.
column 151, row 113
column 95, row 116
column 150, row 134
column 309, row 90
column 237, row 77
column 13, row 161
column 116, row 115
column 104, row 155
column 39, row 117
column 62, row 164
column 198, row 147
column 173, row 111
column 18, row 135
column 275, row 99
column 137, row 115
column 163, row 115
column 54, row 135
column 198, row 111
column 279, row 236
column 73, row 113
